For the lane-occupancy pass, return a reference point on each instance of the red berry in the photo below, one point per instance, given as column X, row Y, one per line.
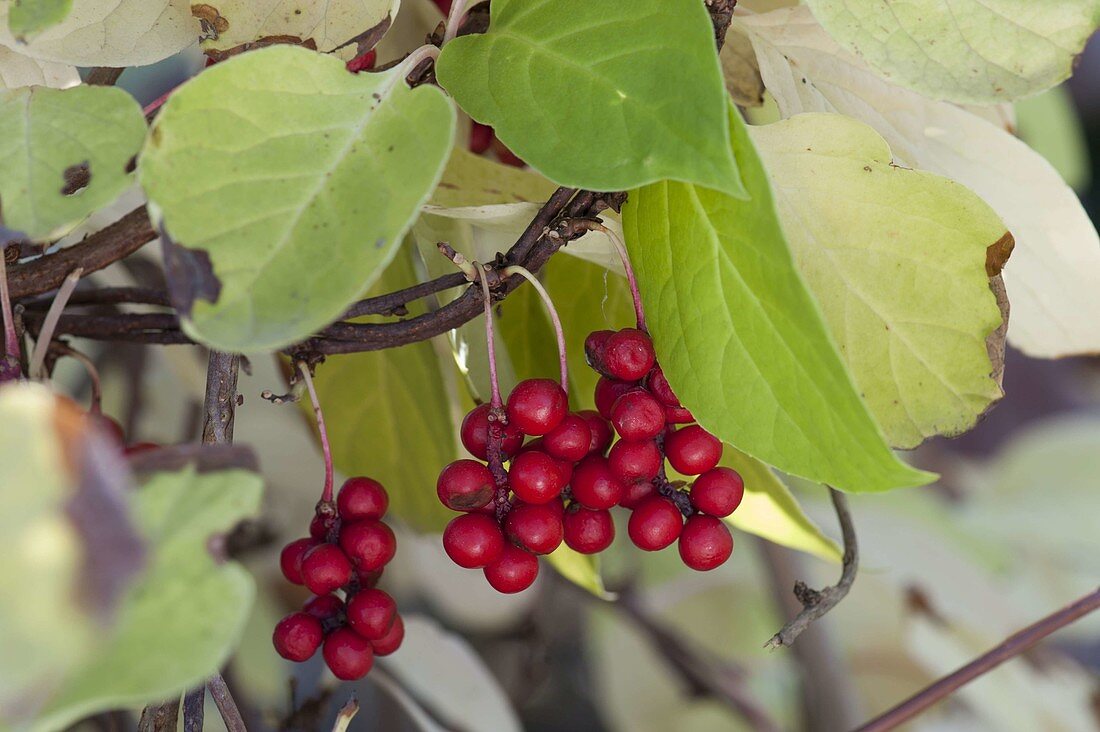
column 325, row 568
column 111, row 426
column 367, row 578
column 588, row 531
column 324, row 607
column 290, row 559
column 705, row 542
column 473, row 540
column 391, row 641
column 481, row 137
column 654, row 524
column 565, row 467
column 570, row 440
column 678, row 415
column 505, row 155
column 628, row 355
column 536, row 477
column 600, row 430
column 594, row 347
column 349, row 656
column 608, row 392
column 444, row 6
column 465, row 485
column 537, row 406
column 370, row 545
column 536, row 528
column 362, row 63
column 371, row 613
column 319, row 526
column 515, row 571
column 362, row 498
column 636, row 493
column 595, row 485
column 692, row 450
column 475, row 434
column 638, row 416
column 659, row 387
column 633, row 461
column 297, row 636
column 718, row 492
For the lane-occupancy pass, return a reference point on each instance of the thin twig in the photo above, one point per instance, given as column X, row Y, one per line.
column 1011, row 647
column 103, row 76
column 345, row 715
column 816, row 603
column 194, row 709
column 220, row 404
column 49, row 323
column 160, row 717
column 231, row 715
column 9, row 359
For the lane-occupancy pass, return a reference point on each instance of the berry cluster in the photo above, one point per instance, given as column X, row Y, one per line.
column 347, row 549
column 653, row 426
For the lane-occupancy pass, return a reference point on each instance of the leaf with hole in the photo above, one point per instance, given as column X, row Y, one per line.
column 293, row 208
column 741, row 339
column 52, row 177
column 599, row 94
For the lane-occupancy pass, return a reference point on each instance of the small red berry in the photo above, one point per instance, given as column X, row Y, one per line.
column 370, row 545
column 595, row 485
column 290, row 559
column 475, row 434
column 638, row 416
column 705, row 542
column 536, row 528
column 473, row 540
column 481, row 137
column 654, row 524
column 588, row 531
column 608, row 392
column 718, row 492
column 505, row 155
column 364, row 62
column 535, row 477
column 367, row 578
column 371, row 613
column 362, row 498
column 570, row 440
column 515, row 571
column 659, row 387
column 633, row 461
column 324, row 607
column 465, row 485
column 391, row 641
column 536, row 406
column 325, row 568
column 319, row 526
column 637, row 492
column 349, row 656
column 297, row 636
column 594, row 347
column 692, row 450
column 628, row 355
column 678, row 415
column 600, row 430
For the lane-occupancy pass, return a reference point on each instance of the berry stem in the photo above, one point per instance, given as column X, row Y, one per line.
column 558, row 332
column 93, row 375
column 326, row 449
column 416, row 57
column 454, row 19
column 36, row 369
column 620, row 247
column 497, row 417
column 9, row 360
column 495, row 402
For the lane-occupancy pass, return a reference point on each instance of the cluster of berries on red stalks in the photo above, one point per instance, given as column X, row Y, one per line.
column 346, row 551
column 653, row 426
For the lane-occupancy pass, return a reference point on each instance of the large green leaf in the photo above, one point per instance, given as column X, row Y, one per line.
column 897, row 260
column 52, row 177
column 290, row 183
column 582, row 570
column 389, row 416
column 740, row 338
column 965, row 50
column 599, row 94
column 181, row 620
column 31, row 16
column 114, row 33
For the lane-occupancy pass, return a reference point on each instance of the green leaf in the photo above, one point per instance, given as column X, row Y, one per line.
column 52, row 177
column 582, row 570
column 599, row 94
column 1050, row 125
column 389, row 416
column 181, row 621
column 973, row 51
column 897, row 260
column 771, row 511
column 329, row 25
column 741, row 339
column 31, row 16
column 474, row 180
column 114, row 33
column 301, row 198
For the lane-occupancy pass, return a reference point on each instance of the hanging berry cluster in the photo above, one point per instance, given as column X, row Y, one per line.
column 348, row 547
column 561, row 482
